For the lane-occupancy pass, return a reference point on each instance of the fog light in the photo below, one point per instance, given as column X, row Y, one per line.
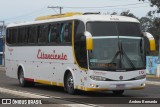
column 143, row 84
column 92, row 85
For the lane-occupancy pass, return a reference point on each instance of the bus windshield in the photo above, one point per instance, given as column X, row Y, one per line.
column 117, row 46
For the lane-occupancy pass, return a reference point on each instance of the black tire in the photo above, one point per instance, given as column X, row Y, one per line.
column 22, row 81
column 118, row 92
column 69, row 84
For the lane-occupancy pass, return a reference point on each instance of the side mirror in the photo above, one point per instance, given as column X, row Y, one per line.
column 89, row 40
column 151, row 39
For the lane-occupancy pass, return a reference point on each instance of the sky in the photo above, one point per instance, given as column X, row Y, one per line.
column 27, row 10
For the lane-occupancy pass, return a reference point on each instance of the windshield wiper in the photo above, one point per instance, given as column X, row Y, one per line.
column 131, row 63
column 122, row 53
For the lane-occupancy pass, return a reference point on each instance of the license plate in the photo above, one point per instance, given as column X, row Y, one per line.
column 120, row 85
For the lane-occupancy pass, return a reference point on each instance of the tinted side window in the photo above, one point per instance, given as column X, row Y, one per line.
column 26, row 35
column 80, row 45
column 43, row 34
column 66, row 33
column 8, row 36
column 54, row 33
column 32, row 34
column 21, row 35
column 14, row 34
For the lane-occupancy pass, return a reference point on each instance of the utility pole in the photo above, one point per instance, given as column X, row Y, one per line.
column 2, row 27
column 2, row 39
column 58, row 7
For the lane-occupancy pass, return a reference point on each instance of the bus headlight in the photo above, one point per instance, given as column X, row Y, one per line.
column 97, row 78
column 140, row 77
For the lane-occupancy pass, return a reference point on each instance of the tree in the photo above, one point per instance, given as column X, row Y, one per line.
column 127, row 13
column 155, row 29
column 146, row 23
column 114, row 13
column 154, row 3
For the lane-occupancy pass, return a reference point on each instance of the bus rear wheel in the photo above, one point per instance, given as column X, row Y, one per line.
column 21, row 79
column 118, row 92
column 69, row 84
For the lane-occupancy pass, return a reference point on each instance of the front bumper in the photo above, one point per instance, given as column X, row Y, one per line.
column 115, row 85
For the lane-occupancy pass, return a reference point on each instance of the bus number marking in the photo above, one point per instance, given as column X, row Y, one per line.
column 141, row 72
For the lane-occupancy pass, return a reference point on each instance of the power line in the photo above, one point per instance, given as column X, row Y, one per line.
column 26, row 15
column 121, row 8
column 110, row 6
column 55, row 11
column 60, row 8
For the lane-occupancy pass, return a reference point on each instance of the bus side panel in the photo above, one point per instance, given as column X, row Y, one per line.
column 46, row 63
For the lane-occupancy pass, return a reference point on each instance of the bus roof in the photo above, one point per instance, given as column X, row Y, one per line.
column 84, row 18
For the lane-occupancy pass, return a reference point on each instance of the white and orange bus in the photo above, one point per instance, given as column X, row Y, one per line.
column 87, row 52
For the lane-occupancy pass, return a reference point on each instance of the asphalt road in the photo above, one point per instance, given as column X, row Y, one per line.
column 96, row 98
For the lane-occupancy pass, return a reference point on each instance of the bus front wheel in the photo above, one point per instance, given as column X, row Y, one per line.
column 69, row 84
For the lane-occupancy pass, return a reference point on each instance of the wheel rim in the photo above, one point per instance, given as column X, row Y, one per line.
column 21, row 78
column 70, row 82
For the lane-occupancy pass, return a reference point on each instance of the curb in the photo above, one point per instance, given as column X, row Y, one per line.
column 2, row 68
column 153, row 82
column 152, row 76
